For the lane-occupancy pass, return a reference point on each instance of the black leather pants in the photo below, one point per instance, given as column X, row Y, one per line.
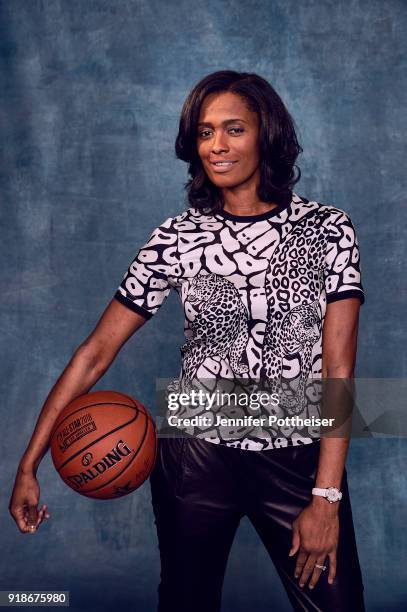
column 200, row 491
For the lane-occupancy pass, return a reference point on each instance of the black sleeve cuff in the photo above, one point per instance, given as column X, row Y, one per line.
column 126, row 302
column 342, row 295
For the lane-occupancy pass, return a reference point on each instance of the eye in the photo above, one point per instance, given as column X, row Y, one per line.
column 203, row 133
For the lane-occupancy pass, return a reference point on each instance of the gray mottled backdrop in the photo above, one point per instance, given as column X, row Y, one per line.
column 90, row 97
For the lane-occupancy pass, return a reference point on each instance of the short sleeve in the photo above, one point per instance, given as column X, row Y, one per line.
column 342, row 272
column 147, row 281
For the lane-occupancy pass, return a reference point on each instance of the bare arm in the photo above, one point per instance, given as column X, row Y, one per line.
column 339, row 347
column 87, row 365
column 316, row 529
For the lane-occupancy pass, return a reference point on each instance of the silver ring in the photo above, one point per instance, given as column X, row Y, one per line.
column 323, row 567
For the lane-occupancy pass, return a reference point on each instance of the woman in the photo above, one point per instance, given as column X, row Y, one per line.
column 270, row 283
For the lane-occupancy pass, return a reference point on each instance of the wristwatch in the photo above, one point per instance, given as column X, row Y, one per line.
column 332, row 494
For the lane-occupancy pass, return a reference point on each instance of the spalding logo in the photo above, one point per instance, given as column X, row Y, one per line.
column 114, row 456
column 86, row 459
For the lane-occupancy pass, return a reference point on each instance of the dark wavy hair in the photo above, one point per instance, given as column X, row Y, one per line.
column 279, row 147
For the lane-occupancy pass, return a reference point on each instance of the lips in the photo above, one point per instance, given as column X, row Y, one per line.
column 223, row 161
column 223, row 166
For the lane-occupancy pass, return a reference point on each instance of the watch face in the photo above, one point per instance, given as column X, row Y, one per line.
column 332, row 494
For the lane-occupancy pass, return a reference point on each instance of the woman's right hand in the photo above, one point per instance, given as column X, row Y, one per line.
column 24, row 500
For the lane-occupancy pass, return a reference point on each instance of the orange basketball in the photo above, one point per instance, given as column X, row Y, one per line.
column 104, row 444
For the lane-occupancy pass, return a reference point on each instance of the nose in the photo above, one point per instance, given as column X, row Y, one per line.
column 219, row 143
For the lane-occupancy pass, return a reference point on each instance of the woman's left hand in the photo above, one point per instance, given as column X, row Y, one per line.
column 315, row 535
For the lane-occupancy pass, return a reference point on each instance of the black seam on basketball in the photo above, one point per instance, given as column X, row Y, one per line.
column 98, row 440
column 59, row 423
column 129, row 397
column 125, row 467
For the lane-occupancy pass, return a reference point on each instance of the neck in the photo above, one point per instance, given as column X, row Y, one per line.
column 243, row 200
column 246, row 208
column 245, row 204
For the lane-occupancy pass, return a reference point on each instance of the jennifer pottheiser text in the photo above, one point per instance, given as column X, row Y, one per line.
column 206, row 420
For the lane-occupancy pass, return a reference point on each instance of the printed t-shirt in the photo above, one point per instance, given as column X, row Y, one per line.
column 254, row 291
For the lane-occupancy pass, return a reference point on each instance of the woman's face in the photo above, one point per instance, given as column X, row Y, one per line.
column 228, row 131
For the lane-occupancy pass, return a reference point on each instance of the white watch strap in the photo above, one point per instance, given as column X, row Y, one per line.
column 317, row 491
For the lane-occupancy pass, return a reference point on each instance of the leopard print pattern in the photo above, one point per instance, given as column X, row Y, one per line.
column 219, row 326
column 292, row 330
column 297, row 334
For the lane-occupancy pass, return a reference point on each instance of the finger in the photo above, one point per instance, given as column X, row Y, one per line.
column 41, row 515
column 31, row 518
column 308, row 569
column 45, row 515
column 19, row 517
column 301, row 560
column 31, row 515
column 317, row 572
column 42, row 511
column 295, row 543
column 332, row 566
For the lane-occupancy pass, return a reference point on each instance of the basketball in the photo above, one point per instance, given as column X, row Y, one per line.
column 104, row 444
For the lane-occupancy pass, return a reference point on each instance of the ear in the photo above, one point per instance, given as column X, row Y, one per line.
column 294, row 317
